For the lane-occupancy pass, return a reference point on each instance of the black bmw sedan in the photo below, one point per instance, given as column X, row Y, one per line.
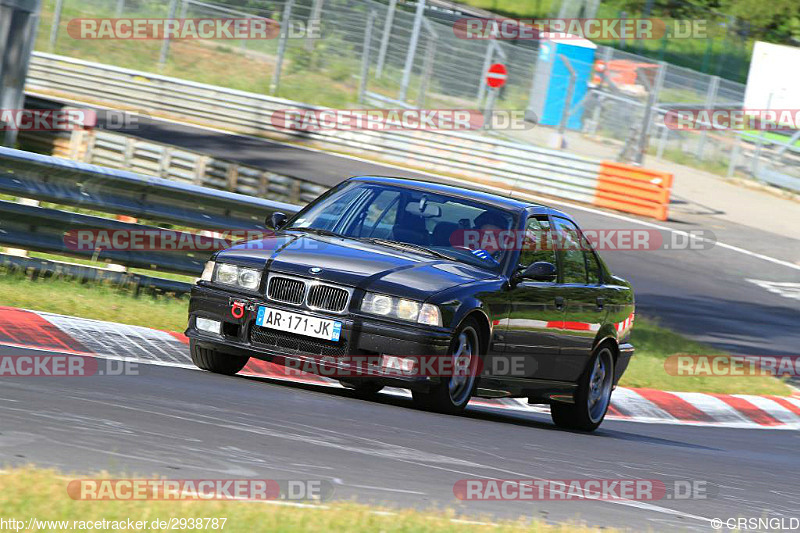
column 450, row 293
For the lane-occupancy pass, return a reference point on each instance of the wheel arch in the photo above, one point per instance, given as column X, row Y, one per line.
column 609, row 341
column 484, row 327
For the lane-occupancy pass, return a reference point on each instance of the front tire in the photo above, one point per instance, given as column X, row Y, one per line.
column 592, row 397
column 214, row 361
column 453, row 393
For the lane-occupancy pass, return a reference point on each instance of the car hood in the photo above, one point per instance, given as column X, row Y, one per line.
column 355, row 263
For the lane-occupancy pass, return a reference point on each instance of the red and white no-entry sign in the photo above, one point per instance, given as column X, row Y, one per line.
column 496, row 76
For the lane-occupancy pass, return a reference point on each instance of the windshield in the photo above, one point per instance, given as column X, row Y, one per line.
column 420, row 221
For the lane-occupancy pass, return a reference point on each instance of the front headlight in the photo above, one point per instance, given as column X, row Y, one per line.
column 245, row 278
column 381, row 304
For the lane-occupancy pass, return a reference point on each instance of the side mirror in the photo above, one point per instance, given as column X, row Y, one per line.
column 540, row 271
column 277, row 220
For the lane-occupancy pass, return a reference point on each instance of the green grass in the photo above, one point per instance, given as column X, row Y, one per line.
column 653, row 343
column 42, row 494
column 92, row 300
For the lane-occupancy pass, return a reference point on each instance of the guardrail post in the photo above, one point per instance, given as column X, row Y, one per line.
column 56, row 23
column 165, row 162
column 276, row 75
column 365, row 53
column 412, row 50
column 200, row 169
column 232, row 177
column 162, row 59
column 127, row 158
column 387, row 31
column 263, row 183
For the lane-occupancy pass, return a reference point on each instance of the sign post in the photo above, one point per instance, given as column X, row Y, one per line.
column 495, row 78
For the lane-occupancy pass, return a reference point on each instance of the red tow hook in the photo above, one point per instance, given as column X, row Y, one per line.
column 237, row 310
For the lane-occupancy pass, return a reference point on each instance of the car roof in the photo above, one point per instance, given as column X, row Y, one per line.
column 488, row 198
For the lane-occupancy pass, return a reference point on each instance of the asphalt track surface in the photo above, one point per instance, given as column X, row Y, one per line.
column 189, row 424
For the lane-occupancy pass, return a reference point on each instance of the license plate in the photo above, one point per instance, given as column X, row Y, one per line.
column 310, row 326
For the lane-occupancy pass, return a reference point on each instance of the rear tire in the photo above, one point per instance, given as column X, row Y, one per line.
column 214, row 361
column 592, row 397
column 453, row 393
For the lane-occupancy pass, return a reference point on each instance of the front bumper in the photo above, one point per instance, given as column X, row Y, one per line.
column 362, row 339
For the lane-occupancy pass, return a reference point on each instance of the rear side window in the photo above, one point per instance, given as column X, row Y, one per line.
column 572, row 260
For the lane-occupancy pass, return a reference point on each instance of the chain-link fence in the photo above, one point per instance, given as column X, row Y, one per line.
column 386, row 54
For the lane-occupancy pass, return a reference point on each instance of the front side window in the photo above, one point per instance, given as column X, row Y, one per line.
column 537, row 244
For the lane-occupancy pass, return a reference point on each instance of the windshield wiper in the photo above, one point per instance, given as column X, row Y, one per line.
column 407, row 245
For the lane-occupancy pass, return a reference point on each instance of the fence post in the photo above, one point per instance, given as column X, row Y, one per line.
column 734, row 156
column 760, row 143
column 56, row 23
column 365, row 53
column 427, row 70
column 487, row 61
column 412, row 50
column 162, row 60
column 653, row 89
column 427, row 65
column 662, row 141
column 120, row 8
column 316, row 13
column 276, row 75
column 711, row 97
column 558, row 142
column 387, row 30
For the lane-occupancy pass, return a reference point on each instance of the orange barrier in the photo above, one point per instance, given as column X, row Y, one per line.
column 633, row 189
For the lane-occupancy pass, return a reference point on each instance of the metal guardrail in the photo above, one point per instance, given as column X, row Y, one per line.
column 482, row 159
column 44, row 268
column 117, row 192
column 121, row 192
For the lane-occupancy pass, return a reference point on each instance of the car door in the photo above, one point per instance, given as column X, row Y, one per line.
column 584, row 309
column 536, row 309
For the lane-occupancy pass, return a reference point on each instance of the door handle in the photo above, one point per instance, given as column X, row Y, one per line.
column 559, row 302
column 600, row 303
